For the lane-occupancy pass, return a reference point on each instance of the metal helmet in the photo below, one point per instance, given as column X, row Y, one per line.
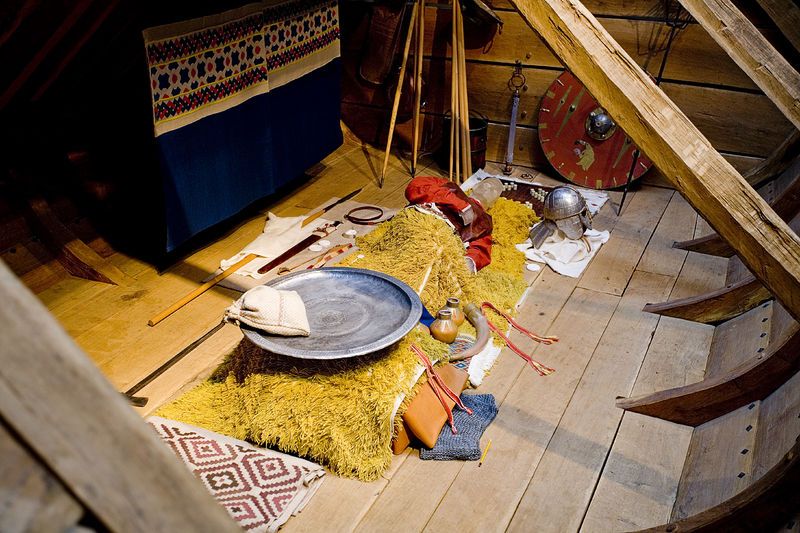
column 566, row 207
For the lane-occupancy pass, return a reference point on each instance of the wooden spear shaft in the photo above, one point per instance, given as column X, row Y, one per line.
column 418, row 86
column 200, row 290
column 454, row 129
column 466, row 151
column 398, row 91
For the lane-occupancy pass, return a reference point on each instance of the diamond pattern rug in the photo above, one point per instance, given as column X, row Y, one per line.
column 260, row 488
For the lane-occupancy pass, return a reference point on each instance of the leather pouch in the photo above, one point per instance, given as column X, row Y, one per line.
column 425, row 416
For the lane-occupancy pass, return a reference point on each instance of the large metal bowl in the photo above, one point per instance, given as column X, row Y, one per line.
column 351, row 312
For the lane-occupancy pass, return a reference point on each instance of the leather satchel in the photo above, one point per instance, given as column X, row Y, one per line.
column 425, row 416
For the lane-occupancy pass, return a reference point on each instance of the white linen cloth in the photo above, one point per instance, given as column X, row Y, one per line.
column 568, row 257
column 280, row 234
column 276, row 312
column 482, row 362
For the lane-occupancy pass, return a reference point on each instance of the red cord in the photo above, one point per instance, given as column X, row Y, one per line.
column 536, row 365
column 434, row 380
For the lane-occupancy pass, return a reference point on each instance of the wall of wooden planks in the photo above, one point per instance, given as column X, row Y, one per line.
column 702, row 80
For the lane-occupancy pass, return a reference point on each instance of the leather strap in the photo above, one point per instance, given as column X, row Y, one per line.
column 375, row 214
column 435, row 380
column 536, row 365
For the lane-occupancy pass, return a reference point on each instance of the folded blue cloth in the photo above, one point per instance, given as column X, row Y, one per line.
column 466, row 444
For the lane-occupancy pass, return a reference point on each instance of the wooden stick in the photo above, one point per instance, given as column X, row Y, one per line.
column 462, row 72
column 465, row 99
column 466, row 149
column 398, row 91
column 418, row 87
column 458, row 57
column 454, row 136
column 200, row 290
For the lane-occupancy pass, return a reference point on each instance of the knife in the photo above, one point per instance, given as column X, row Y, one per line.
column 319, row 233
column 310, row 218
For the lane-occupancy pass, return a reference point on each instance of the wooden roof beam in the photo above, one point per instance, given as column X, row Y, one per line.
column 786, row 205
column 708, row 182
column 61, row 407
column 751, row 51
column 786, row 16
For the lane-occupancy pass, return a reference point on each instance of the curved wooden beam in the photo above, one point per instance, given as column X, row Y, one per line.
column 706, row 400
column 766, row 505
column 786, row 206
column 715, row 306
column 776, row 162
column 709, row 245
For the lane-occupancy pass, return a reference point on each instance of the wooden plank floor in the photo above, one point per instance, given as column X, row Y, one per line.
column 563, row 457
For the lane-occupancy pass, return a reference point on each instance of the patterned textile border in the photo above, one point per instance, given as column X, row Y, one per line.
column 210, row 64
column 259, row 488
column 301, row 37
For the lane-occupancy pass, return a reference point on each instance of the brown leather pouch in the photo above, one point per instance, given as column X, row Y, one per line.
column 401, row 440
column 425, row 416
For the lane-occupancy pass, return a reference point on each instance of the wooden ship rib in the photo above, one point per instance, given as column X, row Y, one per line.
column 703, row 435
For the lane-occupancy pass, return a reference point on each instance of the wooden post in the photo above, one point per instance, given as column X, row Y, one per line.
column 751, row 51
column 59, row 404
column 709, row 183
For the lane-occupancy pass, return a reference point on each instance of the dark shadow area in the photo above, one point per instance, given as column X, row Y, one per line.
column 248, row 359
column 76, row 124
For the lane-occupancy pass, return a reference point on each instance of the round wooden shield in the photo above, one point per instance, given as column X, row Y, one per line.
column 581, row 141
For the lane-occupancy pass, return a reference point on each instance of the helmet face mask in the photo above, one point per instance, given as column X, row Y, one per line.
column 566, row 207
column 572, row 227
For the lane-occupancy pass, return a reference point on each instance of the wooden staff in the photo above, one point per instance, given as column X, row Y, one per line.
column 200, row 290
column 454, row 138
column 459, row 93
column 418, row 87
column 398, row 91
column 466, row 149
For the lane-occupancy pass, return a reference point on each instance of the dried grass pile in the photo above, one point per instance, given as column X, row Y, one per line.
column 340, row 413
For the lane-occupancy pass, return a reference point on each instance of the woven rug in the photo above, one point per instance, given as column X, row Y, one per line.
column 259, row 488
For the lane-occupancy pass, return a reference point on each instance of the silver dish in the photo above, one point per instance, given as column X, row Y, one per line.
column 351, row 312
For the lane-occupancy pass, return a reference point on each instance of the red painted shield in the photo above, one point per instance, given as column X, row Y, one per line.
column 598, row 161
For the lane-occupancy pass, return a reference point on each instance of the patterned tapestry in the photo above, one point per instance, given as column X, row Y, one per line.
column 259, row 488
column 195, row 72
column 219, row 115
